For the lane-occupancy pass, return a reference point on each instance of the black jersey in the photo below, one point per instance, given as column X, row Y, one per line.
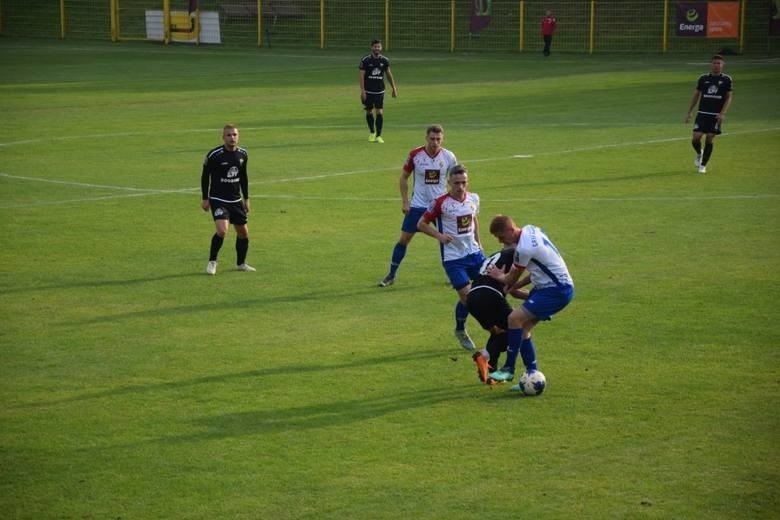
column 713, row 92
column 224, row 175
column 375, row 68
column 502, row 260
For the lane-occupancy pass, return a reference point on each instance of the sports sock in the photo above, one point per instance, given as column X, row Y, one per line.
column 697, row 147
column 707, row 153
column 370, row 121
column 461, row 313
column 514, row 343
column 380, row 119
column 242, row 246
column 216, row 245
column 399, row 252
column 495, row 346
column 528, row 353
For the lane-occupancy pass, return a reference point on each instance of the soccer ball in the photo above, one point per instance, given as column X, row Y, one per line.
column 533, row 383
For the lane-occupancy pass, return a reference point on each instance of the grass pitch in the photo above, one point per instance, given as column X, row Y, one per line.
column 135, row 386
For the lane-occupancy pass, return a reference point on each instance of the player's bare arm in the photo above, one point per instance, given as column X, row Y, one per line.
column 425, row 227
column 362, row 83
column 694, row 101
column 392, row 83
column 403, row 186
column 726, row 105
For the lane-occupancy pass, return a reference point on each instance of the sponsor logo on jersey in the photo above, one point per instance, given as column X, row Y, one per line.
column 432, row 176
column 464, row 224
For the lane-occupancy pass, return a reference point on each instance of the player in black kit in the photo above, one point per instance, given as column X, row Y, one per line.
column 713, row 93
column 487, row 303
column 373, row 68
column 223, row 181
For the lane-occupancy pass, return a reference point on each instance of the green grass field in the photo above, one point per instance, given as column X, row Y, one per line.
column 135, row 386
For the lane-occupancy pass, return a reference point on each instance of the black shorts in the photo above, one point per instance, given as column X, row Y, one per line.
column 232, row 211
column 706, row 124
column 374, row 101
column 488, row 307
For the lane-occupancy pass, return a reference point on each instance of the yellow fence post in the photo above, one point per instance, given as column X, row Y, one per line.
column 387, row 24
column 592, row 24
column 742, row 7
column 322, row 24
column 166, row 21
column 666, row 26
column 112, row 14
column 452, row 26
column 522, row 23
column 62, row 19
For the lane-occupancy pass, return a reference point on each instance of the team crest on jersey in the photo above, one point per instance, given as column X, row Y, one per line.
column 432, row 176
column 232, row 172
column 464, row 224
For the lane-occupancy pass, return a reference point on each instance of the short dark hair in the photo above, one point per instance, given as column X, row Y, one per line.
column 458, row 169
column 717, row 57
column 434, row 129
column 375, row 41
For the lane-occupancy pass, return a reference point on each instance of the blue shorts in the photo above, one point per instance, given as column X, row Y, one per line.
column 543, row 303
column 409, row 225
column 463, row 270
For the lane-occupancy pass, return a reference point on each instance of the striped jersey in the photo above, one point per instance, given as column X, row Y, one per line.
column 536, row 253
column 457, row 219
column 430, row 174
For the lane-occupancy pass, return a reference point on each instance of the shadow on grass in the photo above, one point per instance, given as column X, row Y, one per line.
column 316, row 416
column 599, row 180
column 264, row 301
column 297, row 369
column 97, row 284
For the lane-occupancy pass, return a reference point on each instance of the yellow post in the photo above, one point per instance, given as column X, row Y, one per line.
column 62, row 19
column 592, row 24
column 666, row 26
column 452, row 26
column 112, row 13
column 322, row 24
column 259, row 23
column 387, row 24
column 742, row 7
column 166, row 21
column 522, row 24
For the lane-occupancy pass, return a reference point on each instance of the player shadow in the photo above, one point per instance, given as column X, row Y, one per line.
column 98, row 284
column 600, row 180
column 319, row 416
column 373, row 362
column 259, row 302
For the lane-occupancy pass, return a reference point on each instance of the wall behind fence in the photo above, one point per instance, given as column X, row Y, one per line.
column 583, row 25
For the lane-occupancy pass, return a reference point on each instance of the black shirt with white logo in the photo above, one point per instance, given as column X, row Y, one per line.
column 375, row 67
column 224, row 175
column 713, row 92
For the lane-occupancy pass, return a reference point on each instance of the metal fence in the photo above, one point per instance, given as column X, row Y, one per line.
column 584, row 26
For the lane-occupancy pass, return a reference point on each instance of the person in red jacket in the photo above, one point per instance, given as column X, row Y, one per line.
column 548, row 28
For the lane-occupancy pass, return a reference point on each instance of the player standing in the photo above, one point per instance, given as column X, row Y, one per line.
column 373, row 68
column 457, row 230
column 222, row 183
column 713, row 93
column 429, row 165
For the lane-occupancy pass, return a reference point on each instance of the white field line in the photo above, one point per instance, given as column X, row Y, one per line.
column 136, row 192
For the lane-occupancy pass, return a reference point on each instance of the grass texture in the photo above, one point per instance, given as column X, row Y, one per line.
column 135, row 386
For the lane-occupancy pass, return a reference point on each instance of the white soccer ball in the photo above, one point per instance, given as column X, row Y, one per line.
column 533, row 383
